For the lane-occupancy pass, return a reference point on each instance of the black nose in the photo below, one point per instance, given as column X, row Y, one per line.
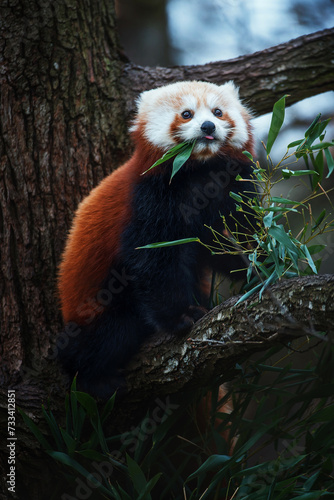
column 208, row 127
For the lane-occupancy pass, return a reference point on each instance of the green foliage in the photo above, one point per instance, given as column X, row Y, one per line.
column 270, row 249
column 274, row 252
column 281, row 429
column 71, row 446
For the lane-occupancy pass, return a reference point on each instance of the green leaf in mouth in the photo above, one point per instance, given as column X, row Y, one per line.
column 181, row 152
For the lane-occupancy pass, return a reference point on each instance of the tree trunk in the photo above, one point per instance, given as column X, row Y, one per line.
column 60, row 102
column 65, row 96
column 61, row 131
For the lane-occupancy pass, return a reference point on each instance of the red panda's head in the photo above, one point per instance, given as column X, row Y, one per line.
column 210, row 114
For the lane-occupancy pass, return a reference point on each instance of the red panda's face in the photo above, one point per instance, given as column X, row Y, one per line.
column 209, row 114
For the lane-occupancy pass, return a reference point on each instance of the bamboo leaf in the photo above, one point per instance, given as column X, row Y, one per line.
column 236, row 197
column 280, row 235
column 163, row 244
column 246, row 295
column 318, row 164
column 268, row 219
column 125, row 495
column 168, row 155
column 310, row 262
column 285, row 201
column 316, row 132
column 310, row 481
column 92, row 455
column 35, row 430
column 88, row 402
column 281, row 209
column 296, row 173
column 70, row 462
column 322, row 145
column 313, row 124
column 319, row 220
column 295, row 143
column 212, row 463
column 330, row 162
column 270, row 280
column 249, row 156
column 136, row 474
column 69, row 441
column 181, row 158
column 277, row 120
column 109, row 406
column 150, row 485
column 314, row 495
column 54, row 429
column 74, row 408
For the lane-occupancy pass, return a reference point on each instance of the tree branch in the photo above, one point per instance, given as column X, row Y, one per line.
column 226, row 335
column 168, row 365
column 302, row 67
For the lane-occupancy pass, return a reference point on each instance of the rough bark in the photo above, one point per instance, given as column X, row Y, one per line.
column 65, row 94
column 60, row 101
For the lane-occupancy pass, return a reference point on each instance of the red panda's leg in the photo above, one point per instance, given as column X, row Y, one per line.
column 99, row 351
column 187, row 320
column 166, row 288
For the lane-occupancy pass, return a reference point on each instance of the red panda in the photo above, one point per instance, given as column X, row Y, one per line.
column 114, row 295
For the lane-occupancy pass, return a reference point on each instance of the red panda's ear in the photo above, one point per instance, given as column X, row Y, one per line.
column 143, row 103
column 231, row 87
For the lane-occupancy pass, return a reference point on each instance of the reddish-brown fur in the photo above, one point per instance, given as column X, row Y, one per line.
column 93, row 242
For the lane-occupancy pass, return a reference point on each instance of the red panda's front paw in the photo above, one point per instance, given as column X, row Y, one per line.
column 197, row 312
column 184, row 324
column 187, row 320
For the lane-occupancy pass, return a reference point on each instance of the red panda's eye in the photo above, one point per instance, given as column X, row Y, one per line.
column 186, row 114
column 218, row 112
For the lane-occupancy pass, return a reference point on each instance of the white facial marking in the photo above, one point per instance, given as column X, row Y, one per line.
column 160, row 111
